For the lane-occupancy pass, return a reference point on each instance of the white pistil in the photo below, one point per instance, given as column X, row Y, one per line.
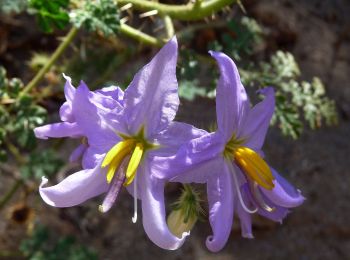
column 134, row 218
column 239, row 191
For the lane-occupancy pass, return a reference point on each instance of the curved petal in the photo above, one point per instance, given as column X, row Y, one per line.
column 58, row 130
column 69, row 89
column 77, row 153
column 278, row 214
column 283, row 194
column 151, row 100
column 101, row 133
column 232, row 103
column 190, row 155
column 75, row 189
column 66, row 113
column 174, row 136
column 91, row 158
column 153, row 211
column 114, row 92
column 258, row 120
column 221, row 199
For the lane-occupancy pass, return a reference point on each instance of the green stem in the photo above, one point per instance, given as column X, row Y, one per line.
column 58, row 52
column 188, row 12
column 140, row 36
column 169, row 27
column 6, row 198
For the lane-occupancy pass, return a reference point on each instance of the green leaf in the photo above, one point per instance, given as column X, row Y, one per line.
column 102, row 15
column 51, row 13
column 41, row 164
column 12, row 6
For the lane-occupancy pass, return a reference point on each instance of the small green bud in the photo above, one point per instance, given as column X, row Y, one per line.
column 177, row 223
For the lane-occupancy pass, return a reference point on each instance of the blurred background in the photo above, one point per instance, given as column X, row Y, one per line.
column 302, row 48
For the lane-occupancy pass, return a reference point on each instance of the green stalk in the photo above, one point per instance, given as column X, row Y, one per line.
column 140, row 36
column 58, row 52
column 169, row 27
column 189, row 12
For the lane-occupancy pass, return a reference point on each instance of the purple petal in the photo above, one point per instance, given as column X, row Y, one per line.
column 75, row 189
column 91, row 158
column 190, row 155
column 278, row 214
column 153, row 211
column 232, row 103
column 220, row 198
column 151, row 100
column 201, row 172
column 106, row 98
column 174, row 136
column 101, row 133
column 258, row 120
column 58, row 130
column 66, row 113
column 69, row 90
column 114, row 92
column 77, row 153
column 283, row 194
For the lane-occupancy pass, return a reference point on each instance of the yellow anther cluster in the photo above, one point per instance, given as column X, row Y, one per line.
column 254, row 166
column 117, row 154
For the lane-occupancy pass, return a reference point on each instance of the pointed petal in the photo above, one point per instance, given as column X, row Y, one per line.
column 232, row 103
column 283, row 194
column 58, row 130
column 220, row 198
column 258, row 120
column 69, row 89
column 75, row 189
column 101, row 133
column 189, row 156
column 151, row 100
column 153, row 211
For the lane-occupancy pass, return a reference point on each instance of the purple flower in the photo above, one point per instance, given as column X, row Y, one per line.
column 125, row 142
column 230, row 161
column 109, row 98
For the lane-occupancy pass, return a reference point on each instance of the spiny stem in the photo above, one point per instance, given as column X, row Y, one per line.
column 58, row 52
column 140, row 36
column 169, row 27
column 188, row 12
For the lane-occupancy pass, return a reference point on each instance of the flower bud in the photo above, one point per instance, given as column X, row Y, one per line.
column 178, row 224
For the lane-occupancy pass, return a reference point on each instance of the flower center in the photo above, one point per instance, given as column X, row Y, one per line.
column 250, row 162
column 133, row 146
column 254, row 167
column 122, row 160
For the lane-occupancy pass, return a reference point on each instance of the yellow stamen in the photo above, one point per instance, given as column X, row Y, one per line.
column 134, row 163
column 254, row 166
column 116, row 150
